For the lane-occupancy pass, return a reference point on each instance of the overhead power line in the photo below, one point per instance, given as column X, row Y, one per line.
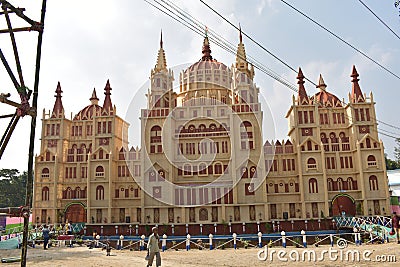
column 181, row 16
column 230, row 23
column 376, row 16
column 340, row 38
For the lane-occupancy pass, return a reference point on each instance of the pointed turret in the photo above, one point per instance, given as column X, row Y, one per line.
column 321, row 84
column 58, row 109
column 161, row 60
column 302, row 97
column 107, row 106
column 206, row 48
column 241, row 58
column 356, row 94
column 94, row 100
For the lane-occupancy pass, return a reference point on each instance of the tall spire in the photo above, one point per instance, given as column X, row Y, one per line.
column 302, row 96
column 206, row 47
column 241, row 58
column 94, row 99
column 240, row 34
column 161, row 60
column 356, row 94
column 321, row 84
column 107, row 106
column 58, row 109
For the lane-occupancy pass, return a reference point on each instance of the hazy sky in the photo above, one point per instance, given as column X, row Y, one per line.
column 87, row 42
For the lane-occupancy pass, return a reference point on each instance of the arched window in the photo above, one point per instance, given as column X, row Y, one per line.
column 246, row 135
column 69, row 193
column 330, row 184
column 218, row 168
column 101, row 154
column 155, row 134
column 99, row 192
column 192, row 128
column 340, row 184
column 202, row 169
column 350, row 183
column 155, row 137
column 311, row 163
column 373, row 183
column 368, row 142
column 253, row 172
column 161, row 175
column 312, row 185
column 78, row 192
column 371, row 160
column 99, row 171
column 45, row 173
column 45, row 193
column 187, row 170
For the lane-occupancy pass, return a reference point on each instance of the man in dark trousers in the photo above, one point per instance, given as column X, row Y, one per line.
column 153, row 249
column 46, row 236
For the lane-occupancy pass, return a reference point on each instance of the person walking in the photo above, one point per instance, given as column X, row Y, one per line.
column 395, row 226
column 46, row 236
column 153, row 249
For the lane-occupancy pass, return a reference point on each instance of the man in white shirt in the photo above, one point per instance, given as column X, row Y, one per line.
column 153, row 249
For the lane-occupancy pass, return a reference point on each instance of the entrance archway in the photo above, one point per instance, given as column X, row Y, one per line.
column 75, row 213
column 343, row 204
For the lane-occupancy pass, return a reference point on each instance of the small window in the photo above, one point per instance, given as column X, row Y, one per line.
column 311, row 164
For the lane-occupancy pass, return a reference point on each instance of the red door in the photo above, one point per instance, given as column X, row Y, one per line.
column 343, row 205
column 75, row 213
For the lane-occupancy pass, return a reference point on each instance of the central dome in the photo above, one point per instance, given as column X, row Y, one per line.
column 206, row 78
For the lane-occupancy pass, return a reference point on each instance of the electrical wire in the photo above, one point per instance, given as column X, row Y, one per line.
column 376, row 16
column 188, row 21
column 341, row 39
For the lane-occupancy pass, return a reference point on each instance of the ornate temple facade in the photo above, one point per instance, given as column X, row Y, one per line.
column 202, row 158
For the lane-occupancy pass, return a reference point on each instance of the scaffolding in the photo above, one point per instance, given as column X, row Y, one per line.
column 26, row 106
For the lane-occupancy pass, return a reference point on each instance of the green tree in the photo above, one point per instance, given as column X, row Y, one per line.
column 12, row 188
column 391, row 164
column 397, row 151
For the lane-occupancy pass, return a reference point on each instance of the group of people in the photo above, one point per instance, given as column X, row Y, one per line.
column 46, row 234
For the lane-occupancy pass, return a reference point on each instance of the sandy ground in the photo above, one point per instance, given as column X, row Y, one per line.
column 83, row 257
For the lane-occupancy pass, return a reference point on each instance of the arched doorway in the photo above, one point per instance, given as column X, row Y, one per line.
column 343, row 204
column 75, row 212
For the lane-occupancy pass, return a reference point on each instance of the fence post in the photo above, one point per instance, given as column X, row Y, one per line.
column 387, row 236
column 303, row 233
column 120, row 243
column 164, row 242
column 370, row 235
column 210, row 236
column 97, row 241
column 259, row 239
column 141, row 243
column 234, row 240
column 355, row 236
column 283, row 234
column 187, row 242
column 331, row 238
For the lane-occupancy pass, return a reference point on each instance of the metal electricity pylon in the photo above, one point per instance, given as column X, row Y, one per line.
column 26, row 106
